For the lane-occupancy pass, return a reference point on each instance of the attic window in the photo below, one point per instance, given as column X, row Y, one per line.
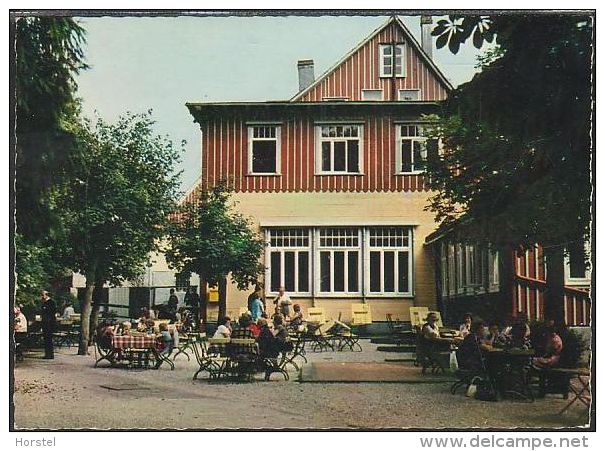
column 371, row 94
column 407, row 95
column 335, row 99
column 392, row 60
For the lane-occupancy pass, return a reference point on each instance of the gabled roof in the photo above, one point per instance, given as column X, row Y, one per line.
column 412, row 41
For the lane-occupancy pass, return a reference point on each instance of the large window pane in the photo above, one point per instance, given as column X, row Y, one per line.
column 353, row 271
column 324, row 270
column 289, row 271
column 403, row 279
column 353, row 156
column 339, row 271
column 577, row 267
column 325, row 157
column 263, row 156
column 419, row 155
column 340, row 157
column 375, row 272
column 389, row 272
column 303, row 272
column 406, row 155
column 275, row 270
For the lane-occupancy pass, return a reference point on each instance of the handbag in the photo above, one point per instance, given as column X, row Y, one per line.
column 471, row 390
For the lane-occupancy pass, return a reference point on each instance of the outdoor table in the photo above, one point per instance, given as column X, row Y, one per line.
column 509, row 370
column 139, row 347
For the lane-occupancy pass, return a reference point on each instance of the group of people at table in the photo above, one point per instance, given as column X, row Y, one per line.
column 474, row 341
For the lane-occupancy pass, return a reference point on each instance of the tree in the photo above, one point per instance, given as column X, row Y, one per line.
column 208, row 238
column 517, row 166
column 48, row 54
column 115, row 206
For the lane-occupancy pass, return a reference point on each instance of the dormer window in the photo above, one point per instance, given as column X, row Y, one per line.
column 392, row 60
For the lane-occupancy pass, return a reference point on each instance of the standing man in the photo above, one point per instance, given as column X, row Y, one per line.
column 49, row 309
column 282, row 303
column 173, row 302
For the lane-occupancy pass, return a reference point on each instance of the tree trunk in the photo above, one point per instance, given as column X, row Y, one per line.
column 85, row 317
column 97, row 296
column 203, row 313
column 506, row 282
column 222, row 297
column 554, row 296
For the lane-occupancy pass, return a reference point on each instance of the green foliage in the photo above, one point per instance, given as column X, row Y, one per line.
column 48, row 56
column 210, row 239
column 517, row 164
column 115, row 205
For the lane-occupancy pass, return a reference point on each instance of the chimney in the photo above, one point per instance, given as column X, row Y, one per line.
column 426, row 26
column 306, row 74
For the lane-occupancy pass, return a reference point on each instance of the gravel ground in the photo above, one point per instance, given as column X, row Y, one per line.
column 66, row 393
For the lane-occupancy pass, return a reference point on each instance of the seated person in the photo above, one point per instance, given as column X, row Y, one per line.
column 281, row 334
column 224, row 328
column 465, row 327
column 20, row 321
column 493, row 336
column 518, row 338
column 266, row 340
column 469, row 354
column 255, row 328
column 553, row 348
column 125, row 328
column 105, row 333
column 166, row 339
column 297, row 317
column 242, row 330
column 430, row 332
column 68, row 311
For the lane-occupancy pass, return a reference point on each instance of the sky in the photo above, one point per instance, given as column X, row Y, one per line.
column 160, row 63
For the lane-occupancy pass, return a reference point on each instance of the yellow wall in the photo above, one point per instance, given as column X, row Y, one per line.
column 310, row 209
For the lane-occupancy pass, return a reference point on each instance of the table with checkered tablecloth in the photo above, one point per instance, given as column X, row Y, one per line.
column 136, row 349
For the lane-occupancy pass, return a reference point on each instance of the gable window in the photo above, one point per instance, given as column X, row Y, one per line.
column 338, row 149
column 263, row 149
column 407, row 95
column 413, row 149
column 392, row 60
column 371, row 94
column 289, row 252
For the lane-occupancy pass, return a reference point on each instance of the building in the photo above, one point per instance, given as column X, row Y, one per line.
column 333, row 177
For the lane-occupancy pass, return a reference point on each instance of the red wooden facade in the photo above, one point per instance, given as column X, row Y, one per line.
column 360, row 70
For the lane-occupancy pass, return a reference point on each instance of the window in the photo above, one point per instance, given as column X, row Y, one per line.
column 335, row 99
column 289, row 262
column 494, row 270
column 371, row 94
column 409, row 94
column 414, row 149
column 339, row 262
column 263, row 149
column 576, row 268
column 390, row 260
column 392, row 60
column 339, row 149
column 182, row 281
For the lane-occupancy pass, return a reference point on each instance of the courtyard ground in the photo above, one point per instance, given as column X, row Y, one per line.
column 68, row 393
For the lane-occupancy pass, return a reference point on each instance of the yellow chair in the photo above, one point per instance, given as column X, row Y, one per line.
column 418, row 316
column 316, row 315
column 361, row 314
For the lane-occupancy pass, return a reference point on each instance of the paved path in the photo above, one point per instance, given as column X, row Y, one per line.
column 67, row 393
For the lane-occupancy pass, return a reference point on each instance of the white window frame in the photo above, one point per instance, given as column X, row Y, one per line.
column 401, row 91
column 319, row 140
column 366, row 91
column 339, row 248
column 578, row 281
column 382, row 53
column 252, row 139
column 423, row 140
column 282, row 250
column 396, row 249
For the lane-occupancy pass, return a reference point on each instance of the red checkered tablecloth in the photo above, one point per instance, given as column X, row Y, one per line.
column 128, row 342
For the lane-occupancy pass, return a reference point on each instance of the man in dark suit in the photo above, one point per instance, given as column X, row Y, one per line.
column 49, row 309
